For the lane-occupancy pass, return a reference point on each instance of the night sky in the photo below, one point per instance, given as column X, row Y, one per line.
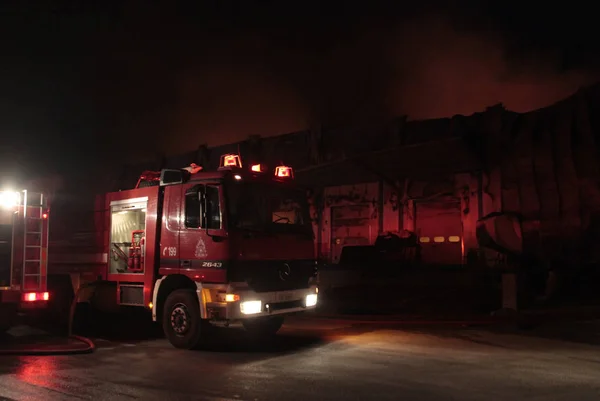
column 83, row 85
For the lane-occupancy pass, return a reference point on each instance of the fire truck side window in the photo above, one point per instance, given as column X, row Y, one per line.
column 193, row 208
column 213, row 206
column 194, row 216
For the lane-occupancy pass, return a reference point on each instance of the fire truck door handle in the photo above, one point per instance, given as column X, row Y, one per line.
column 186, row 263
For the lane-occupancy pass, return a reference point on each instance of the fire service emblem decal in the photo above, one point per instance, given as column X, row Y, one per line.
column 285, row 272
column 200, row 251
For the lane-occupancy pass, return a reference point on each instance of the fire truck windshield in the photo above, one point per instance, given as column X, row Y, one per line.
column 267, row 206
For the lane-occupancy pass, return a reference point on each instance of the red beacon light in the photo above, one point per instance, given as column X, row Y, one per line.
column 231, row 160
column 284, row 172
column 257, row 168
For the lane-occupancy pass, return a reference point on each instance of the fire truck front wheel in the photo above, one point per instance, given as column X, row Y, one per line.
column 182, row 322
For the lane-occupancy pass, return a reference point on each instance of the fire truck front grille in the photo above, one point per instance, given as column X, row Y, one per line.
column 264, row 276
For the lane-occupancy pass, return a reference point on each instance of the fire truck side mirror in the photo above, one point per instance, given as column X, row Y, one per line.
column 170, row 177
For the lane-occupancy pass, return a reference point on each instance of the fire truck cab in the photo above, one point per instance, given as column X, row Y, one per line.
column 23, row 253
column 200, row 248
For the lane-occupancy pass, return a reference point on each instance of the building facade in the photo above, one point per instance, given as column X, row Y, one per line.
column 434, row 179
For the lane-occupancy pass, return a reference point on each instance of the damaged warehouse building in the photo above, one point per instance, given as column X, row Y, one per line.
column 433, row 180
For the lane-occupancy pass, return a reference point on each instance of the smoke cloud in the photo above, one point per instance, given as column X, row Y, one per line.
column 423, row 67
column 132, row 83
column 442, row 71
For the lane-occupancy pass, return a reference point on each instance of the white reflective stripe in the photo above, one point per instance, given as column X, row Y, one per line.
column 201, row 300
column 155, row 297
column 199, row 293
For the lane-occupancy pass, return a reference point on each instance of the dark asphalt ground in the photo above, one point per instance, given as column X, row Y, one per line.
column 316, row 359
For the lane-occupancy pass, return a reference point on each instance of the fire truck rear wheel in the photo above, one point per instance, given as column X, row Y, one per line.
column 262, row 327
column 182, row 321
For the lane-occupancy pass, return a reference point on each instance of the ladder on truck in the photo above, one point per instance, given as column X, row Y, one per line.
column 35, row 240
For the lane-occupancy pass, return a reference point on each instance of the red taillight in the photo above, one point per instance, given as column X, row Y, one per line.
column 284, row 172
column 45, row 216
column 257, row 168
column 36, row 296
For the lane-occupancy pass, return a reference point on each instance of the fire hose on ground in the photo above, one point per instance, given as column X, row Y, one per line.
column 89, row 348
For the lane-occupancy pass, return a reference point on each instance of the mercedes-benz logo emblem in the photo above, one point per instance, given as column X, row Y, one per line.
column 285, row 272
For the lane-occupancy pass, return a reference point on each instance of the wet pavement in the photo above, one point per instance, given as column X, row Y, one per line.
column 43, row 344
column 316, row 359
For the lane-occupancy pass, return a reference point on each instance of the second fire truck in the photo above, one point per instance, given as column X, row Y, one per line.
column 199, row 248
column 23, row 253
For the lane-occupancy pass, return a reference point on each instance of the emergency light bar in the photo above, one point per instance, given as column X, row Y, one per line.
column 284, row 172
column 231, row 160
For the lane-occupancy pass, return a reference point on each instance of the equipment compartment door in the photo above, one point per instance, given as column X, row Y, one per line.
column 127, row 236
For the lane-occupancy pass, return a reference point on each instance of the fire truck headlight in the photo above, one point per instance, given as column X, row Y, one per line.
column 311, row 300
column 9, row 199
column 251, row 307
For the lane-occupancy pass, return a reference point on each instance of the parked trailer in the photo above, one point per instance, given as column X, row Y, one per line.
column 198, row 248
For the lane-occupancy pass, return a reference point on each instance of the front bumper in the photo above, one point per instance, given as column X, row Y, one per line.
column 251, row 304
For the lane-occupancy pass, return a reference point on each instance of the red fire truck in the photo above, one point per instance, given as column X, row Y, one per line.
column 199, row 248
column 23, row 253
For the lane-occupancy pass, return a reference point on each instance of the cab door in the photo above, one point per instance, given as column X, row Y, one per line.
column 203, row 245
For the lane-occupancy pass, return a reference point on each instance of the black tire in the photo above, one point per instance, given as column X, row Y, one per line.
column 182, row 321
column 263, row 327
